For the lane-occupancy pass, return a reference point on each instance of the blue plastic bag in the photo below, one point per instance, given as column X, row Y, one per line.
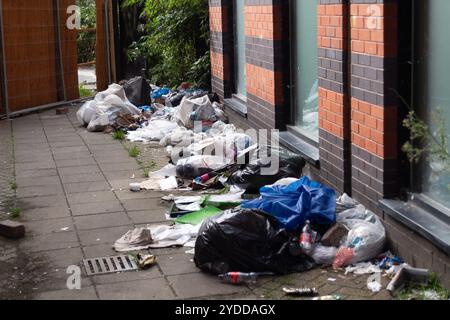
column 292, row 205
column 156, row 94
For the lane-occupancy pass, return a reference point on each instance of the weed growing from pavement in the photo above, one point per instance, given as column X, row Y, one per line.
column 15, row 212
column 147, row 167
column 418, row 292
column 13, row 185
column 134, row 152
column 119, row 135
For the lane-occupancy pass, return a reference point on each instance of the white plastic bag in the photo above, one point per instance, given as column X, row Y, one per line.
column 103, row 110
column 324, row 255
column 365, row 240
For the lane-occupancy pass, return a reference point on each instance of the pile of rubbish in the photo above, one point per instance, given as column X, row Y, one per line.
column 133, row 105
column 247, row 221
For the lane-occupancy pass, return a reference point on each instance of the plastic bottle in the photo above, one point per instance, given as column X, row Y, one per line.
column 242, row 277
column 306, row 239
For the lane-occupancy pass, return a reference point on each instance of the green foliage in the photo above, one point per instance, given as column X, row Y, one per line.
column 15, row 212
column 13, row 185
column 425, row 143
column 176, row 43
column 419, row 292
column 85, row 92
column 134, row 152
column 119, row 135
column 147, row 167
column 86, row 41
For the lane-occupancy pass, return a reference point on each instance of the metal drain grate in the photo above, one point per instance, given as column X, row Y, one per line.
column 106, row 265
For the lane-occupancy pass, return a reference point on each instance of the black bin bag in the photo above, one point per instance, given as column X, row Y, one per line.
column 240, row 240
column 138, row 91
column 252, row 180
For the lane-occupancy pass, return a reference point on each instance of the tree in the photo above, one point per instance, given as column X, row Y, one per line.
column 176, row 43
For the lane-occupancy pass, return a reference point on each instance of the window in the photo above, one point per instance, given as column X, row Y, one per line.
column 239, row 42
column 431, row 89
column 304, row 68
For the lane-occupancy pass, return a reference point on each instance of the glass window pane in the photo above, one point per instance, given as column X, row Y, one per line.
column 432, row 88
column 241, row 83
column 306, row 89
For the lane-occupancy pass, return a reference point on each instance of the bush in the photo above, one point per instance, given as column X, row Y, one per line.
column 86, row 41
column 176, row 44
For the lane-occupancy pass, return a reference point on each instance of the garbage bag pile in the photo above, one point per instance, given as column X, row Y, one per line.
column 291, row 223
column 104, row 110
column 134, row 104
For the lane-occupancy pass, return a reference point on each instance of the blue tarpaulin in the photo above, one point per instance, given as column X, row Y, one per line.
column 293, row 204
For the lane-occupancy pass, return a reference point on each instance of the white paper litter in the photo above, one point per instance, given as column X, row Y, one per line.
column 374, row 286
column 156, row 237
column 170, row 183
column 363, row 268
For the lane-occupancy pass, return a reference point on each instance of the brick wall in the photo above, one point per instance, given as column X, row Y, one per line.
column 373, row 104
column 333, row 93
column 220, row 15
column 358, row 109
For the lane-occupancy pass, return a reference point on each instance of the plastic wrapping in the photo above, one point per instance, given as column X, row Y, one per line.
column 324, row 255
column 292, row 205
column 196, row 166
column 245, row 241
column 366, row 239
column 103, row 110
column 251, row 178
column 154, row 131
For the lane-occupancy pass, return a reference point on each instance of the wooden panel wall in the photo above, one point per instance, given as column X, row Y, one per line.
column 30, row 53
column 101, row 64
column 69, row 52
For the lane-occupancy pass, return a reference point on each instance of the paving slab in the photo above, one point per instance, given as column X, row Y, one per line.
column 151, row 289
column 42, row 202
column 99, row 250
column 177, row 264
column 79, row 170
column 80, row 187
column 75, row 162
column 198, row 285
column 33, row 182
column 152, row 273
column 99, row 221
column 68, row 295
column 144, row 204
column 47, row 227
column 63, row 240
column 147, row 216
column 91, row 197
column 84, row 177
column 45, row 213
column 36, row 173
column 49, row 190
column 96, row 208
column 102, row 236
column 60, row 258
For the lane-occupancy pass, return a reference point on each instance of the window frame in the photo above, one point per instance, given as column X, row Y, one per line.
column 417, row 171
column 297, row 130
column 235, row 94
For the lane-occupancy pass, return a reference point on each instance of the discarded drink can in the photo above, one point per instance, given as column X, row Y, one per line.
column 300, row 292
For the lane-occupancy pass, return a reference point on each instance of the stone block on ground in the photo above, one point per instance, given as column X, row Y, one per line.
column 12, row 229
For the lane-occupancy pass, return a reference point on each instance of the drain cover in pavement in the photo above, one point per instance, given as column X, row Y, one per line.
column 106, row 265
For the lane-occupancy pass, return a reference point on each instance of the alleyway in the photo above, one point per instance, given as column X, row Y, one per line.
column 72, row 188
